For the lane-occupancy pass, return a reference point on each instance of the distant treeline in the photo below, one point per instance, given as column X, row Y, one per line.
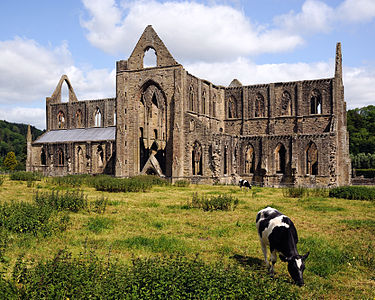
column 13, row 138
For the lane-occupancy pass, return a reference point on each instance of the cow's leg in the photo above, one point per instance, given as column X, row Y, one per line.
column 264, row 249
column 273, row 260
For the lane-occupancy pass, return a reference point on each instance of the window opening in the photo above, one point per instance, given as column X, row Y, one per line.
column 43, row 157
column 150, row 58
column 280, row 159
column 60, row 155
column 60, row 120
column 98, row 118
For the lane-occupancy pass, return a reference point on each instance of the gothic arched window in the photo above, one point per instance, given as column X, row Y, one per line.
column 197, row 159
column 43, row 157
column 312, row 159
column 259, row 105
column 100, row 156
column 232, row 108
column 191, row 99
column 60, row 157
column 203, row 104
column 280, row 159
column 79, row 118
column 286, row 104
column 249, row 160
column 316, row 102
column 60, row 119
column 98, row 118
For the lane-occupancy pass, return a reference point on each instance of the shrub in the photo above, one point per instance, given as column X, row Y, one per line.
column 353, row 193
column 87, row 277
column 24, row 217
column 301, row 192
column 99, row 205
column 74, row 181
column 182, row 183
column 217, row 202
column 10, row 161
column 26, row 176
column 367, row 173
column 70, row 200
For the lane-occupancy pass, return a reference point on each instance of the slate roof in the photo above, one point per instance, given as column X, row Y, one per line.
column 77, row 135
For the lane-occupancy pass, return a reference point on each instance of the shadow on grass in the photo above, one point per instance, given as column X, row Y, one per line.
column 247, row 261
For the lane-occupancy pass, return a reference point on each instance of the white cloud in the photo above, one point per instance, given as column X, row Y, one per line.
column 356, row 11
column 192, row 31
column 30, row 72
column 33, row 116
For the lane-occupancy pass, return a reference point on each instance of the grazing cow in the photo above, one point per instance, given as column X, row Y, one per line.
column 278, row 232
column 245, row 183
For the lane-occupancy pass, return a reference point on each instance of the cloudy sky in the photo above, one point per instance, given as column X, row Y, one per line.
column 253, row 41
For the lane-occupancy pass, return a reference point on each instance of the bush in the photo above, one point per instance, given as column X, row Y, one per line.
column 135, row 184
column 26, row 176
column 353, row 193
column 24, row 217
column 182, row 183
column 87, row 277
column 70, row 200
column 99, row 205
column 74, row 181
column 219, row 202
column 367, row 173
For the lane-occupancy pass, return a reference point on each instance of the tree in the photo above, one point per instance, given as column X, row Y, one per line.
column 10, row 161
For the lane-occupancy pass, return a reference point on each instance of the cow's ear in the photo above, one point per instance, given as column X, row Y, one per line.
column 306, row 256
column 283, row 258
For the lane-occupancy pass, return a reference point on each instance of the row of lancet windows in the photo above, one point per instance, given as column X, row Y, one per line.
column 194, row 106
column 280, row 155
column 79, row 119
column 60, row 156
column 285, row 109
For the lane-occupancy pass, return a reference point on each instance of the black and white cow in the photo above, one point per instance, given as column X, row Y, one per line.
column 278, row 232
column 245, row 183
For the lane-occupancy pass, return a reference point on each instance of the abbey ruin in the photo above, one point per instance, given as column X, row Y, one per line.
column 167, row 122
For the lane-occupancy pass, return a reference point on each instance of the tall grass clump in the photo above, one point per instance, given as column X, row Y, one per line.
column 70, row 200
column 26, row 176
column 135, row 184
column 74, row 181
column 23, row 217
column 87, row 277
column 2, row 179
column 353, row 193
column 216, row 202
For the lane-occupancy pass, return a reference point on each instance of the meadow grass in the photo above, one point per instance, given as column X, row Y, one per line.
column 338, row 233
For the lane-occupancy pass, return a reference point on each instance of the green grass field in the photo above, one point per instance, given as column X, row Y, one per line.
column 338, row 233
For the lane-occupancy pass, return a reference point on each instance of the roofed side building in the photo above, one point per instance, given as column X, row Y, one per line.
column 168, row 122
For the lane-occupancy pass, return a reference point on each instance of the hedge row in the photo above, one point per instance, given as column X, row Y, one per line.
column 367, row 173
column 353, row 192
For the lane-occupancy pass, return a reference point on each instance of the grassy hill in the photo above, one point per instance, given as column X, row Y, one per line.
column 13, row 138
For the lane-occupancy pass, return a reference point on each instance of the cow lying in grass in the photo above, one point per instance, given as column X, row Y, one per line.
column 278, row 232
column 244, row 183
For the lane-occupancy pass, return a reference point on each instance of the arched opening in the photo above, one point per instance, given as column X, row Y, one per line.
column 80, row 162
column 98, row 118
column 60, row 157
column 60, row 120
column 316, row 102
column 114, row 119
column 286, row 104
column 64, row 92
column 197, row 159
column 43, row 157
column 155, row 134
column 79, row 118
column 225, row 160
column 203, row 104
column 149, row 58
column 232, row 109
column 312, row 159
column 191, row 99
column 100, row 156
column 280, row 159
column 249, row 160
column 259, row 106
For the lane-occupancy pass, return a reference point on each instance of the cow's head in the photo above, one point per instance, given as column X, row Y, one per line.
column 296, row 266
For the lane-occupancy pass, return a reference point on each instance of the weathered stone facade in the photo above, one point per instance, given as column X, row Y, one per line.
column 171, row 123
